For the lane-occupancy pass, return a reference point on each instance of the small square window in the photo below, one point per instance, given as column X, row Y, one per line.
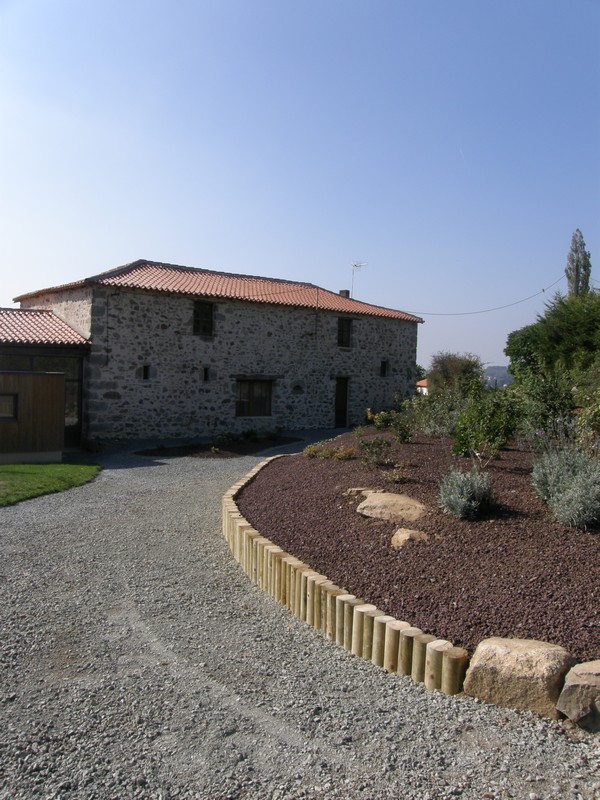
column 146, row 372
column 253, row 398
column 203, row 318
column 344, row 337
column 384, row 369
column 9, row 406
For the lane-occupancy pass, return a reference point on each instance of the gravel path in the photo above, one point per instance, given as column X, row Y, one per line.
column 137, row 661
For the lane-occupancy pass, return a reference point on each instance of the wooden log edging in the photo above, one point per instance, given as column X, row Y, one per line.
column 359, row 627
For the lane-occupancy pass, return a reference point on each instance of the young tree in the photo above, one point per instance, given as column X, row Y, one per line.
column 458, row 372
column 579, row 266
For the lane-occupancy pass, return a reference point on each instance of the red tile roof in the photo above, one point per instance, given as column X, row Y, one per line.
column 159, row 277
column 20, row 326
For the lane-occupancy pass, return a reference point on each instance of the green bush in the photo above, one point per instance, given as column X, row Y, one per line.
column 373, row 451
column 465, row 494
column 569, row 482
column 485, row 424
column 381, row 419
column 401, row 427
column 345, row 453
column 326, row 449
column 545, row 403
column 588, row 423
column 398, row 474
column 313, row 450
column 435, row 414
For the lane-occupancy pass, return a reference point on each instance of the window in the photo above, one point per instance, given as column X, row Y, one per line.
column 384, row 369
column 253, row 398
column 146, row 372
column 206, row 373
column 203, row 318
column 344, row 331
column 9, row 406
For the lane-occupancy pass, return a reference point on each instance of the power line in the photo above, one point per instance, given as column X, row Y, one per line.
column 484, row 310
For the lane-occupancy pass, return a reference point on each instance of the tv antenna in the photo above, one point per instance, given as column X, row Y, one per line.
column 356, row 265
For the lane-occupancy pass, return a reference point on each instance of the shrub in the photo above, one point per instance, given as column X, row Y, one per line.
column 569, row 482
column 401, row 427
column 345, row 453
column 485, row 424
column 373, row 449
column 588, row 423
column 328, row 450
column 435, row 414
column 465, row 494
column 381, row 419
column 313, row 450
column 555, row 470
column 398, row 474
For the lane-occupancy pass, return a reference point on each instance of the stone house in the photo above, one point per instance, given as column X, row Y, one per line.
column 177, row 352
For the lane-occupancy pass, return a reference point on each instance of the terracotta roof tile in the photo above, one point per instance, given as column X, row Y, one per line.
column 160, row 277
column 20, row 326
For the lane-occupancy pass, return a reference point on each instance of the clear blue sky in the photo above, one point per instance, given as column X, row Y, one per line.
column 454, row 146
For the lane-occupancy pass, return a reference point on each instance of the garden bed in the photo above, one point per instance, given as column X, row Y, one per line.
column 514, row 572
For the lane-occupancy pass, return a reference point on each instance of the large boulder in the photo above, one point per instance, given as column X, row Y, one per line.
column 518, row 673
column 395, row 507
column 580, row 697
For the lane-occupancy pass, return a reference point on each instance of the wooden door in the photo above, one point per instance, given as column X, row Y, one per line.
column 341, row 402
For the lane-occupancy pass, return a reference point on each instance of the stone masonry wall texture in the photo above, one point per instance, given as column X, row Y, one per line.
column 148, row 375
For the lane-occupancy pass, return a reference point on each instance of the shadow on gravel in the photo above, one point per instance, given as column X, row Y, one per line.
column 133, row 454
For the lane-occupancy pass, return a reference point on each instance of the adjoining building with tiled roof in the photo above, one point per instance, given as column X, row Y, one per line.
column 26, row 327
column 38, row 341
column 182, row 352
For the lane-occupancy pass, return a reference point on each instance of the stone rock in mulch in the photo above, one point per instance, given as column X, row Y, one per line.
column 403, row 536
column 356, row 490
column 580, row 697
column 394, row 507
column 518, row 673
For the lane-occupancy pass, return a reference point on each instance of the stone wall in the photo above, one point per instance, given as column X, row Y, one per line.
column 148, row 375
column 71, row 305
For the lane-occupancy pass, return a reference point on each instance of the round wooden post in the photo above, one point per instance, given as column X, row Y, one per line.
column 433, row 663
column 379, row 628
column 420, row 643
column 368, row 619
column 391, row 646
column 340, row 604
column 357, row 627
column 331, row 592
column 320, row 582
column 349, row 620
column 407, row 638
column 454, row 666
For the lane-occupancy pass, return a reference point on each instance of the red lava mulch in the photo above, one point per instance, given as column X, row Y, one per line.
column 514, row 573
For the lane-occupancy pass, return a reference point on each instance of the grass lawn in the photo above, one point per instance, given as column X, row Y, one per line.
column 23, row 481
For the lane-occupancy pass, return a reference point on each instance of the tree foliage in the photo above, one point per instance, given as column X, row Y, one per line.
column 565, row 338
column 456, row 372
column 579, row 266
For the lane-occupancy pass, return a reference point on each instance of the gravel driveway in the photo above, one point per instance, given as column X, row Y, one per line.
column 139, row 662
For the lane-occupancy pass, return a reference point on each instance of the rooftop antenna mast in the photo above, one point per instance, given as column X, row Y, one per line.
column 356, row 265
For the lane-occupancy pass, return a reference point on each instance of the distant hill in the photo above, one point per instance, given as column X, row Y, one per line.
column 497, row 376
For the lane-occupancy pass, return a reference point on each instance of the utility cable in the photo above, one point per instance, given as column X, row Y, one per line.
column 484, row 310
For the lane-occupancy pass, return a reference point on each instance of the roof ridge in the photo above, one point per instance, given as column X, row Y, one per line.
column 195, row 281
column 29, row 310
column 140, row 262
